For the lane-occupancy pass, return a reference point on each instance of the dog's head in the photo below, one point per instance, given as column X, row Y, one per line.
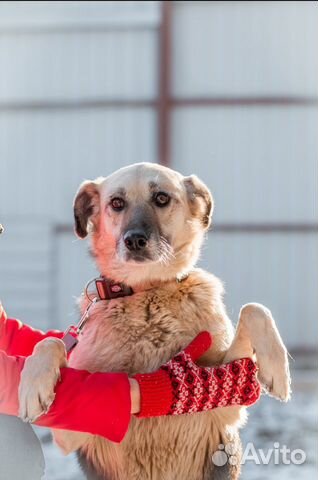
column 146, row 222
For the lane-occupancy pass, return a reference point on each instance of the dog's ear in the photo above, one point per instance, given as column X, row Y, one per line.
column 200, row 199
column 86, row 206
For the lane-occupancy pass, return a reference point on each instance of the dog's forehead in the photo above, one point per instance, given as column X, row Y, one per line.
column 141, row 179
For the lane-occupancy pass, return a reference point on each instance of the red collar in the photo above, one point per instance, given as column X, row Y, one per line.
column 108, row 289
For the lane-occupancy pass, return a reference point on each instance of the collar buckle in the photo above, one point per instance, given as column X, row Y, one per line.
column 108, row 289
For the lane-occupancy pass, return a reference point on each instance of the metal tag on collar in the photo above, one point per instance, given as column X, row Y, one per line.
column 70, row 337
column 108, row 289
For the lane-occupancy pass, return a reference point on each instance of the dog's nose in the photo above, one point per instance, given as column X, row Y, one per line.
column 135, row 240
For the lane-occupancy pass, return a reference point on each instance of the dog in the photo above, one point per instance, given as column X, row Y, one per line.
column 146, row 224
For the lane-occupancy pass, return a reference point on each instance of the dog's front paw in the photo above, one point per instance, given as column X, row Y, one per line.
column 271, row 353
column 274, row 373
column 36, row 391
column 38, row 379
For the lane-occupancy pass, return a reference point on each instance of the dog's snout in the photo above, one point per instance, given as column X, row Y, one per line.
column 135, row 240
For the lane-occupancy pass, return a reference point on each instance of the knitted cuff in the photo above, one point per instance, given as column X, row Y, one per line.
column 156, row 394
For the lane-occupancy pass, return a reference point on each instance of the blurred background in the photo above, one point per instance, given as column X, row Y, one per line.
column 225, row 90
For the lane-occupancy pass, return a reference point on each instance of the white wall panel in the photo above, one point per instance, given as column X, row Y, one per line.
column 68, row 15
column 260, row 163
column 26, row 269
column 71, row 65
column 245, row 48
column 45, row 155
column 278, row 270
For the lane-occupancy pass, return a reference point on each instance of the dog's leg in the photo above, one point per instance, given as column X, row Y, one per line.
column 69, row 441
column 39, row 376
column 87, row 468
column 226, row 460
column 257, row 335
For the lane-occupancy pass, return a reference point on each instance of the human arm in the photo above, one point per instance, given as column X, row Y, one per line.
column 145, row 395
column 77, row 392
column 17, row 338
column 182, row 387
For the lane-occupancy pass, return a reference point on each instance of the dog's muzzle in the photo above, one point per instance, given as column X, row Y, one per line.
column 136, row 240
column 138, row 245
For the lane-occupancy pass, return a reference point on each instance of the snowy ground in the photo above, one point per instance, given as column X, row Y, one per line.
column 293, row 424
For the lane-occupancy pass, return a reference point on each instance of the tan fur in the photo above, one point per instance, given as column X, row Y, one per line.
column 140, row 333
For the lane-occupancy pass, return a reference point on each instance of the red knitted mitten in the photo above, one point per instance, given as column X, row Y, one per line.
column 180, row 386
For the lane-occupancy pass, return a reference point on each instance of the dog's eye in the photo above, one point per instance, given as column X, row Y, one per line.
column 161, row 199
column 117, row 204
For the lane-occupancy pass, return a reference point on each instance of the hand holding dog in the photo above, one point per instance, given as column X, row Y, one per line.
column 180, row 386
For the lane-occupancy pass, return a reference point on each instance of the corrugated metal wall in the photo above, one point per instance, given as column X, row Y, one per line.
column 78, row 89
column 60, row 66
column 65, row 69
column 258, row 158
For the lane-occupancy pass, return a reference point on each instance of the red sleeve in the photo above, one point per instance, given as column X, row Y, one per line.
column 97, row 403
column 101, row 405
column 17, row 338
column 10, row 370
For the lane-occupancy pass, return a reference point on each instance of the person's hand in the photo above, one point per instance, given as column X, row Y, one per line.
column 180, row 386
